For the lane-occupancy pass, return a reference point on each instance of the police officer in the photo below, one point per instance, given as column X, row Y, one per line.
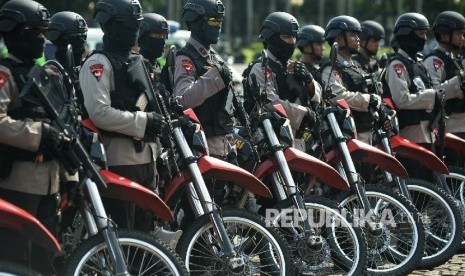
column 347, row 79
column 129, row 130
column 288, row 82
column 371, row 38
column 410, row 85
column 153, row 33
column 446, row 70
column 68, row 28
column 310, row 41
column 201, row 81
column 29, row 144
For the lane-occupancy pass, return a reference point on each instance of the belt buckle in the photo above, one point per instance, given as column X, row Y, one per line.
column 39, row 158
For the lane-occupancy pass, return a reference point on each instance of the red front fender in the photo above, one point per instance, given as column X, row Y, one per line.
column 453, row 142
column 366, row 153
column 17, row 219
column 407, row 149
column 299, row 161
column 124, row 189
column 211, row 167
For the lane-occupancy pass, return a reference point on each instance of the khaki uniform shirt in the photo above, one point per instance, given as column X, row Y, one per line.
column 97, row 81
column 26, row 177
column 193, row 92
column 295, row 110
column 436, row 69
column 399, row 82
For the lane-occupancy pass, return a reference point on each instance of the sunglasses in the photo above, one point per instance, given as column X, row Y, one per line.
column 213, row 21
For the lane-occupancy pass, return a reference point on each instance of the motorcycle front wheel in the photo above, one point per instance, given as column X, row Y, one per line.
column 259, row 249
column 144, row 255
column 394, row 230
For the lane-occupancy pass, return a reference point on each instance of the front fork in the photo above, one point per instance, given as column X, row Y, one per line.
column 284, row 173
column 201, row 201
column 102, row 223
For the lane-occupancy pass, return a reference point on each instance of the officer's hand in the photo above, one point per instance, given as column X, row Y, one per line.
column 310, row 118
column 375, row 102
column 156, row 125
column 51, row 140
column 301, row 73
column 225, row 73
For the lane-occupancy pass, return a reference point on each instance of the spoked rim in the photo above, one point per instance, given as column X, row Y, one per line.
column 456, row 183
column 252, row 242
column 386, row 250
column 142, row 258
column 440, row 228
column 320, row 259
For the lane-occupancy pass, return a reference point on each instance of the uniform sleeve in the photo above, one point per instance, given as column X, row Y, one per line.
column 192, row 92
column 356, row 100
column 23, row 134
column 295, row 112
column 96, row 79
column 398, row 81
column 436, row 69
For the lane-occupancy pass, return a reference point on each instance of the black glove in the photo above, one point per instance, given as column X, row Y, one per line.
column 156, row 125
column 375, row 102
column 310, row 118
column 51, row 141
column 301, row 73
column 225, row 73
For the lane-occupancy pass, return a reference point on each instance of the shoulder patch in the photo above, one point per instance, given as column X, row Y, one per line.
column 437, row 63
column 267, row 74
column 188, row 65
column 399, row 69
column 3, row 78
column 97, row 70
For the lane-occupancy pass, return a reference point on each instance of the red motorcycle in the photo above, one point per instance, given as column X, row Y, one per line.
column 100, row 248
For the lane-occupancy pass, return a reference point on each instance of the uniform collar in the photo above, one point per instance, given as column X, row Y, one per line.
column 346, row 63
column 443, row 49
column 274, row 58
column 404, row 53
column 199, row 47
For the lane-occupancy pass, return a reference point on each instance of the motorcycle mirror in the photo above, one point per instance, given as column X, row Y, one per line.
column 171, row 63
column 69, row 58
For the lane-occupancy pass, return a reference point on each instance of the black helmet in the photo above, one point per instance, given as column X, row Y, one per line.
column 279, row 23
column 310, row 33
column 408, row 22
column 66, row 22
column 371, row 29
column 27, row 12
column 447, row 22
column 117, row 9
column 195, row 8
column 153, row 23
column 340, row 24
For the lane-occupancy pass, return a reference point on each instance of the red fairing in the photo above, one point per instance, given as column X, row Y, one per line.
column 87, row 123
column 191, row 114
column 280, row 109
column 453, row 142
column 368, row 154
column 343, row 104
column 211, row 167
column 17, row 219
column 300, row 161
column 410, row 150
column 389, row 103
column 124, row 189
